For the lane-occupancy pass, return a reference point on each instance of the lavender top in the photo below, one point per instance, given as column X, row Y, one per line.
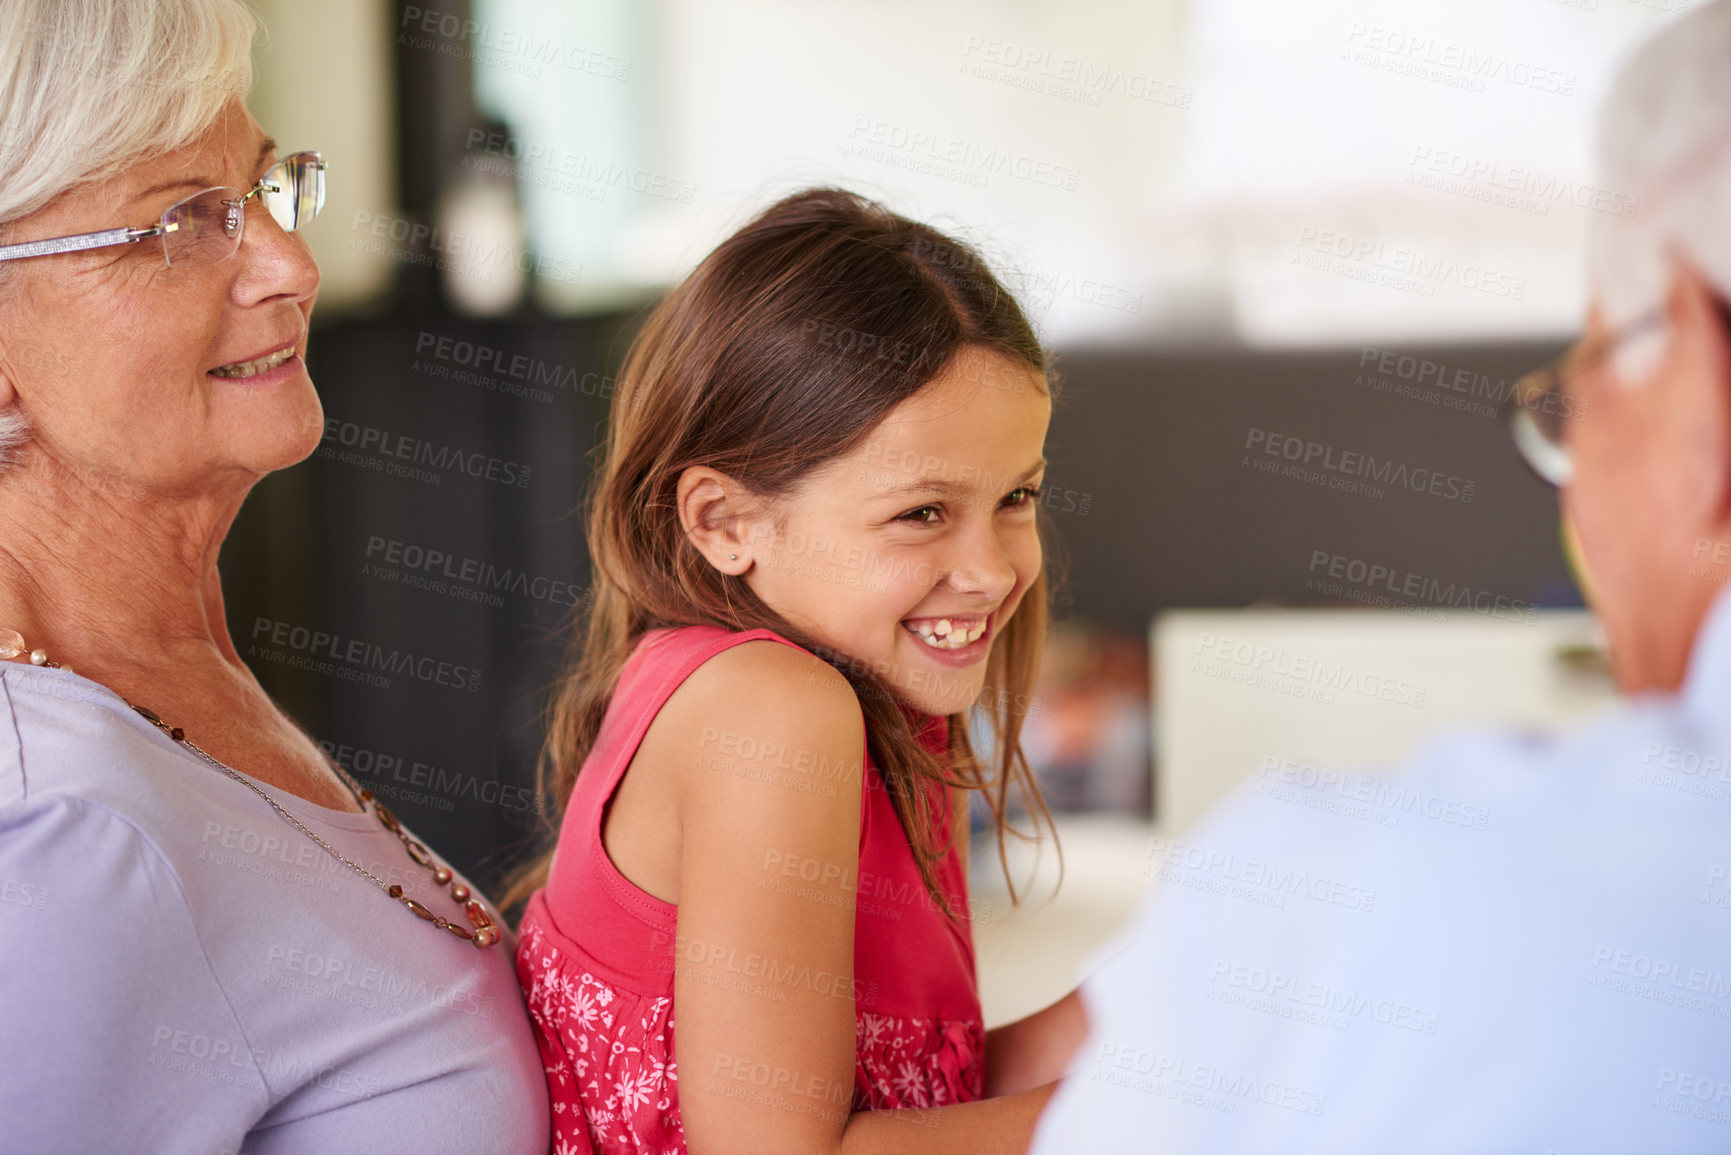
column 182, row 970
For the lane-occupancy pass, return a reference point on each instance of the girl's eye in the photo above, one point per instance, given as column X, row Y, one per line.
column 1018, row 498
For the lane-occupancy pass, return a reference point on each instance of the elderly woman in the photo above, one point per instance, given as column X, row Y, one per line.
column 211, row 939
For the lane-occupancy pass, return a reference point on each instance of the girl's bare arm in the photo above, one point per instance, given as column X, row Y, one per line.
column 769, row 853
column 1034, row 1051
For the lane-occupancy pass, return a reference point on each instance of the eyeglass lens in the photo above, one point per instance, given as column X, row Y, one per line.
column 294, row 190
column 202, row 229
column 1548, row 406
column 206, row 228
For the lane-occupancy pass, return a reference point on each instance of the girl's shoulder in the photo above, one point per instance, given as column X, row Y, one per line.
column 728, row 717
column 704, row 693
column 738, row 670
column 746, row 661
column 685, row 687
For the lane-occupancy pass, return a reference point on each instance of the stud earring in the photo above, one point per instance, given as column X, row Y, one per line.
column 732, row 557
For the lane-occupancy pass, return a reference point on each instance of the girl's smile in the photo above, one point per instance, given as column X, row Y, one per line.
column 955, row 640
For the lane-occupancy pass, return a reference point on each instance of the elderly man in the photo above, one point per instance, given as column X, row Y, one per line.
column 1559, row 980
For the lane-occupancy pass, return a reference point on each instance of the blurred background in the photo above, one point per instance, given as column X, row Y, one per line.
column 1262, row 238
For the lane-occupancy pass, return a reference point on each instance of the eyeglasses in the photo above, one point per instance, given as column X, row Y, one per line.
column 206, row 227
column 1540, row 403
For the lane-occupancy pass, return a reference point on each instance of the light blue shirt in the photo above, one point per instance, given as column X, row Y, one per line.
column 183, row 971
column 1514, row 944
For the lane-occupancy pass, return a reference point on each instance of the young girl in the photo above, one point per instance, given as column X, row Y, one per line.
column 815, row 548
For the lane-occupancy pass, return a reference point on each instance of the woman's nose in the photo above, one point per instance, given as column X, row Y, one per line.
column 273, row 262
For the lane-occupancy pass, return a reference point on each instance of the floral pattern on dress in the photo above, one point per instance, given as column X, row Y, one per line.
column 611, row 1075
column 917, row 1062
column 608, row 1056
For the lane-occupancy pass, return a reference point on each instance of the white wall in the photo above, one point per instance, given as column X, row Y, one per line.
column 1273, row 188
column 322, row 80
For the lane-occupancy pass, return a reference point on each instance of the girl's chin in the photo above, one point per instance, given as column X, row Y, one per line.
column 961, row 693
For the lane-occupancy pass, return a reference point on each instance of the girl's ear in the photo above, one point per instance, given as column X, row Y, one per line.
column 716, row 514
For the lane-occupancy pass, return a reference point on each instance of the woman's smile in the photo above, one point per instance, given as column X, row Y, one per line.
column 263, row 367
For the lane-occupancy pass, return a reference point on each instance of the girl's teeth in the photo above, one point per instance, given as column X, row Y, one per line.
column 947, row 635
column 254, row 368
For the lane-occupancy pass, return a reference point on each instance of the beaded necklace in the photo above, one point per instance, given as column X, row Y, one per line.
column 484, row 932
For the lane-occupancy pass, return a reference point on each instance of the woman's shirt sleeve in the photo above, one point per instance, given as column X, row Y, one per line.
column 114, row 1033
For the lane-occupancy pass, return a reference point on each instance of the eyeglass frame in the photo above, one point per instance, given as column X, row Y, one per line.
column 80, row 242
column 1550, row 460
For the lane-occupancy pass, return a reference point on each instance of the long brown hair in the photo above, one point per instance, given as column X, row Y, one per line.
column 784, row 349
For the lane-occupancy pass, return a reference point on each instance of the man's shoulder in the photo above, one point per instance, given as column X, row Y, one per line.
column 1486, row 789
column 1555, row 847
column 1371, row 950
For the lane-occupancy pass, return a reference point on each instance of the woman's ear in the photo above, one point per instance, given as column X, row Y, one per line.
column 719, row 517
column 8, row 390
column 14, row 428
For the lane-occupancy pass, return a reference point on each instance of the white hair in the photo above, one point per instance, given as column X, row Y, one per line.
column 1665, row 139
column 89, row 88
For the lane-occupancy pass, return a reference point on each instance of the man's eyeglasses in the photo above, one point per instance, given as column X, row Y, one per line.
column 1540, row 403
column 206, row 227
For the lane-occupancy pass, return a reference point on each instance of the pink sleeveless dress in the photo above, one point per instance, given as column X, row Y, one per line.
column 595, row 954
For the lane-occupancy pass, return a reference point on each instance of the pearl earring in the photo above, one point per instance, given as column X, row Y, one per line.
column 732, row 557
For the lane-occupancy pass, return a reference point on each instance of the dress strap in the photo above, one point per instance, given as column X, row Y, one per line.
column 664, row 658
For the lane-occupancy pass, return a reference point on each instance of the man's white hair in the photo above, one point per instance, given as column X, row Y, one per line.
column 89, row 88
column 1665, row 138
